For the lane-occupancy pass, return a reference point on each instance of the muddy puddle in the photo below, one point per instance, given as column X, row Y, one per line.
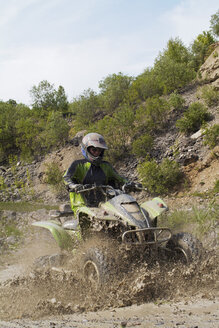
column 37, row 294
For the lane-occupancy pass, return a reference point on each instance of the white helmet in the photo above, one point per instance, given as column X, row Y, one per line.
column 95, row 140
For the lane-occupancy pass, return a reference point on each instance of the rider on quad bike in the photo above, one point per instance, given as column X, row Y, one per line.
column 92, row 170
column 131, row 229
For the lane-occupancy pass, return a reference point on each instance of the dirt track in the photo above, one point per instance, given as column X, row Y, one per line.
column 200, row 313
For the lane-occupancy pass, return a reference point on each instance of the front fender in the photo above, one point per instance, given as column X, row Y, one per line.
column 155, row 207
column 61, row 236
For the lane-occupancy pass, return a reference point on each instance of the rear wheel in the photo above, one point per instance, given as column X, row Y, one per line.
column 185, row 247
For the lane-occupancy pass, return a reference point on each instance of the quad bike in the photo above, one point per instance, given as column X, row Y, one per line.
column 127, row 228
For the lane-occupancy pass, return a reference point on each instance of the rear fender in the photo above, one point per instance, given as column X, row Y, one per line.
column 61, row 236
column 155, row 207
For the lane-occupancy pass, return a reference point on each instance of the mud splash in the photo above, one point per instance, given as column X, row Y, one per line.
column 58, row 292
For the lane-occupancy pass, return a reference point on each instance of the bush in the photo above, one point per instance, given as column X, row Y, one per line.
column 193, row 118
column 142, row 145
column 85, row 107
column 117, row 130
column 55, row 131
column 173, row 68
column 145, row 86
column 216, row 186
column 153, row 114
column 212, row 136
column 210, row 95
column 113, row 91
column 54, row 177
column 53, row 174
column 203, row 219
column 160, row 178
column 176, row 101
column 215, row 23
column 201, row 48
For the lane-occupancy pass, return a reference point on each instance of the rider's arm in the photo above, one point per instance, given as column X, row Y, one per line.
column 76, row 173
column 112, row 174
column 69, row 174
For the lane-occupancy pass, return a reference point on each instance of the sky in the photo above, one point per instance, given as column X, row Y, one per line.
column 78, row 43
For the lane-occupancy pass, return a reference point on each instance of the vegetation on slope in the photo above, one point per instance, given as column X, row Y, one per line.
column 128, row 111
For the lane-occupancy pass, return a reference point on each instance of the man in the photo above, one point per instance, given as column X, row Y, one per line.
column 89, row 171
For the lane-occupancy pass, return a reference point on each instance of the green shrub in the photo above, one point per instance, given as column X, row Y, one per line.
column 118, row 131
column 176, row 101
column 113, row 91
column 215, row 23
column 160, row 178
column 53, row 174
column 202, row 220
column 146, row 85
column 172, row 66
column 201, row 48
column 216, row 187
column 210, row 95
column 85, row 108
column 206, row 218
column 9, row 227
column 54, row 177
column 142, row 145
column 55, row 132
column 3, row 185
column 152, row 114
column 212, row 136
column 193, row 118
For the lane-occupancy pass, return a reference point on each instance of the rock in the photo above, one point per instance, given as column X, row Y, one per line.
column 10, row 215
column 65, row 208
column 53, row 301
column 78, row 138
column 2, row 241
column 209, row 71
column 197, row 135
column 11, row 240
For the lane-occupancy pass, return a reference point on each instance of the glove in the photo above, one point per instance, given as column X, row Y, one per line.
column 131, row 186
column 75, row 187
column 128, row 186
column 138, row 185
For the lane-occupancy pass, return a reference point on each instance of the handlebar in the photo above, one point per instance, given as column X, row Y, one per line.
column 103, row 188
column 108, row 190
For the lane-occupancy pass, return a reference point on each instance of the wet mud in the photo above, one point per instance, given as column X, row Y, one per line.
column 37, row 294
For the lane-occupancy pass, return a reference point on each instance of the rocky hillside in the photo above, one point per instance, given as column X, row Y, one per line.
column 199, row 162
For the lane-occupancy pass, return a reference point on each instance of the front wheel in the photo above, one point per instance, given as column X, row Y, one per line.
column 97, row 266
column 185, row 247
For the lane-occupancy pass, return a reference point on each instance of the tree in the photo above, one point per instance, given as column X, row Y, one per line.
column 193, row 118
column 176, row 51
column 28, row 131
column 173, row 66
column 200, row 48
column 215, row 23
column 86, row 107
column 152, row 114
column 144, row 86
column 61, row 100
column 113, row 90
column 118, row 130
column 8, row 117
column 56, row 130
column 46, row 98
